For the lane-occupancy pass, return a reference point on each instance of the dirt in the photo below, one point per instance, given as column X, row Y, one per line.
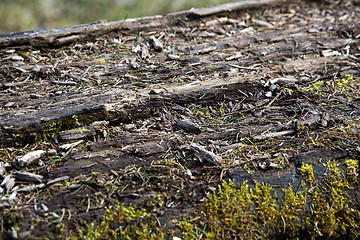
column 260, row 90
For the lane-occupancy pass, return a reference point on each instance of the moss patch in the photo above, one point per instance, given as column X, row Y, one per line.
column 320, row 209
column 122, row 222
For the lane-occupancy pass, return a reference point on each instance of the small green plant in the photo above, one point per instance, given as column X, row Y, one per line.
column 291, row 211
column 20, row 139
column 122, row 222
column 247, row 213
column 329, row 212
column 320, row 90
column 351, row 169
column 75, row 119
column 229, row 209
column 307, row 173
column 345, row 84
column 323, row 210
column 317, row 85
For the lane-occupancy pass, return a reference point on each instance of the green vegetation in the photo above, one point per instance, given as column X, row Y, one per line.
column 21, row 15
column 319, row 211
column 307, row 173
column 330, row 214
column 318, row 208
column 331, row 131
column 345, row 86
column 350, row 169
column 114, row 172
column 122, row 222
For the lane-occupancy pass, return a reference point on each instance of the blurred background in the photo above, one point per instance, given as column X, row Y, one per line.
column 23, row 15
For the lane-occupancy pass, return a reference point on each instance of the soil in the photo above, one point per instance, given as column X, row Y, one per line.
column 167, row 111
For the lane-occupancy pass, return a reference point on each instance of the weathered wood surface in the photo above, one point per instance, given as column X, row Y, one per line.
column 67, row 35
column 95, row 105
column 115, row 106
column 257, row 90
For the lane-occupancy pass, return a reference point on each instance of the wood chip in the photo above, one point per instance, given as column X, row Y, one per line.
column 262, row 23
column 2, row 168
column 31, row 188
column 4, row 204
column 144, row 52
column 204, row 155
column 284, row 80
column 330, row 53
column 28, row 177
column 31, row 156
column 16, row 58
column 156, row 44
column 134, row 64
column 8, row 182
column 187, row 126
column 263, row 137
column 173, row 57
column 59, row 179
column 68, row 146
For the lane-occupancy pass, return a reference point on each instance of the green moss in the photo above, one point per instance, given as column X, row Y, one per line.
column 21, row 139
column 265, row 203
column 351, row 169
column 323, row 210
column 323, row 91
column 329, row 213
column 75, row 119
column 345, row 84
column 291, row 211
column 56, row 127
column 317, row 85
column 307, row 173
column 228, row 213
column 77, row 130
column 121, row 222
